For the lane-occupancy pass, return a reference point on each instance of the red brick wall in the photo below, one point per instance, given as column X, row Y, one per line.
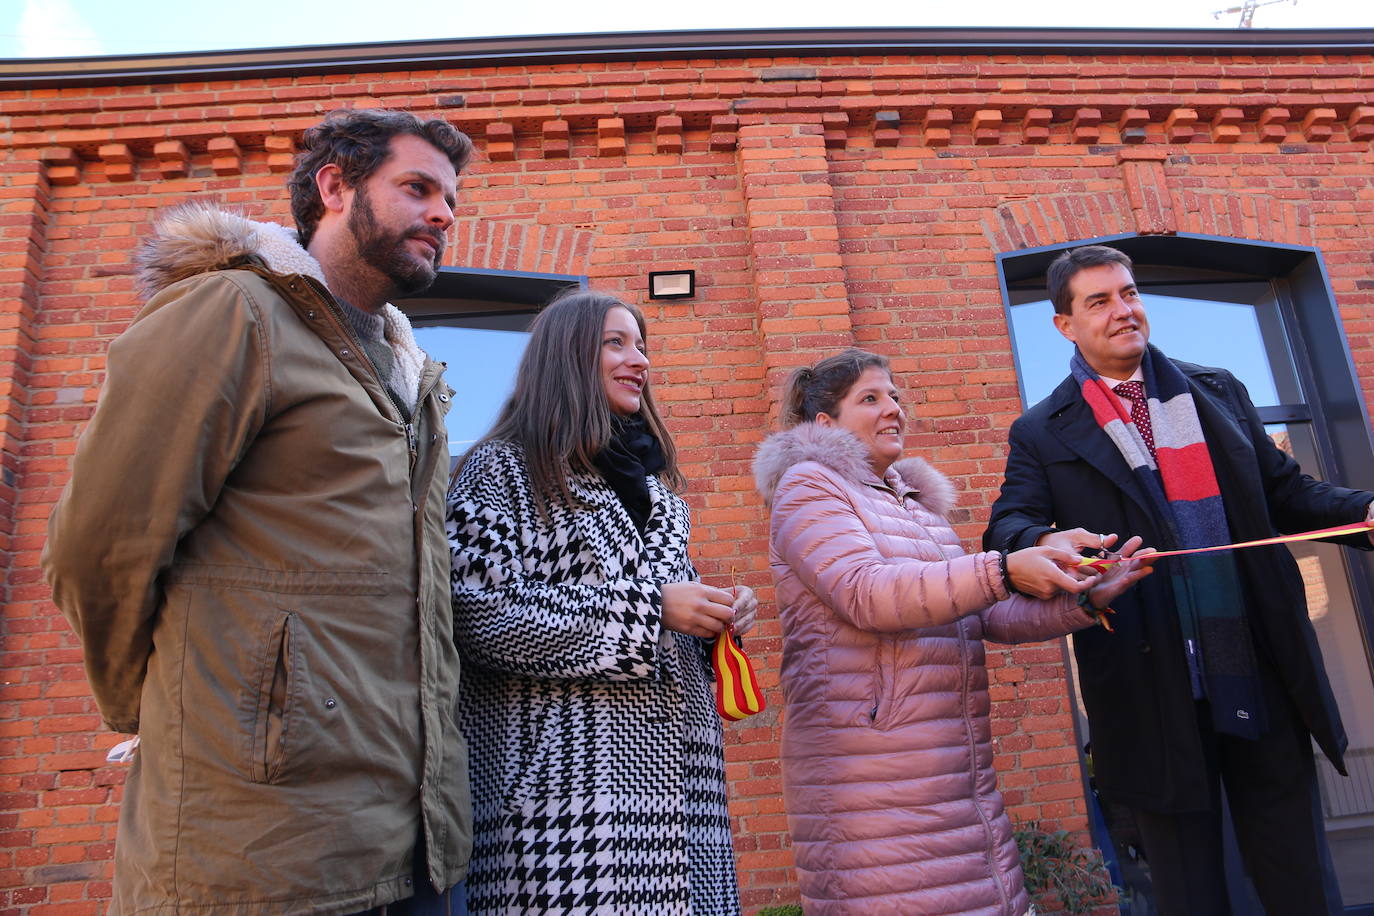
column 821, row 202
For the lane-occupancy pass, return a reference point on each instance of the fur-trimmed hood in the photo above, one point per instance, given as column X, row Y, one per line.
column 842, row 452
column 196, row 237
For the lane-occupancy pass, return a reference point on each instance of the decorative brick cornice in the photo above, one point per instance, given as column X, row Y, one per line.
column 226, row 157
column 724, row 133
column 668, row 134
column 173, row 159
column 1180, row 125
column 1132, row 123
column 555, row 139
column 938, row 122
column 987, row 127
column 500, row 142
column 610, row 137
column 1226, row 125
column 1318, row 123
column 1087, row 125
column 887, row 128
column 281, row 152
column 1035, row 127
column 686, row 125
column 1360, row 123
column 1273, row 125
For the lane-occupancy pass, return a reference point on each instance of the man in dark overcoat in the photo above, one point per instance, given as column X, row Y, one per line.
column 1212, row 675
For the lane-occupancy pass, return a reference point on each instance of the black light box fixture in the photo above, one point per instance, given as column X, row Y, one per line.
column 672, row 284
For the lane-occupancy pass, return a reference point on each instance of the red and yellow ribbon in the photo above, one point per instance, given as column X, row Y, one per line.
column 738, row 692
column 1100, row 564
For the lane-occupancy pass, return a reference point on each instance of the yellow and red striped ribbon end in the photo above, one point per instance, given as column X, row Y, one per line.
column 738, row 692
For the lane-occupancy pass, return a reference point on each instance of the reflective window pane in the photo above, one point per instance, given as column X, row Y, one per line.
column 1347, row 802
column 1208, row 332
column 481, row 369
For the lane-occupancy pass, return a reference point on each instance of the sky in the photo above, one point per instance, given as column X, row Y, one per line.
column 74, row 28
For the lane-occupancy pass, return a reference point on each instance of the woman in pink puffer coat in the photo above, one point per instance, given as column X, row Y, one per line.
column 887, row 748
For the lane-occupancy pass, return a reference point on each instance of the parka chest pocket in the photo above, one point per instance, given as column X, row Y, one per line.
column 272, row 701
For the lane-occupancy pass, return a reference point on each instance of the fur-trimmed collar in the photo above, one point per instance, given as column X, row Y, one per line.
column 842, row 452
column 195, row 237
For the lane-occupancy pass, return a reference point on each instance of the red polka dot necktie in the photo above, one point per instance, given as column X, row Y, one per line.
column 1140, row 413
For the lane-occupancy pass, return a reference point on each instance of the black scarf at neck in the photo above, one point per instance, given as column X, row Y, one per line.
column 628, row 460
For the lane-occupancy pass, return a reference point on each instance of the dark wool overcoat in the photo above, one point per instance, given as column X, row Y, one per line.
column 1064, row 472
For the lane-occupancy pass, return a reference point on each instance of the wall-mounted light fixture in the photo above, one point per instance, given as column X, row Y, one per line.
column 672, row 284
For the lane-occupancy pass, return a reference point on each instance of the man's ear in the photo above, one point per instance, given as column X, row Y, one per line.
column 1064, row 326
column 333, row 191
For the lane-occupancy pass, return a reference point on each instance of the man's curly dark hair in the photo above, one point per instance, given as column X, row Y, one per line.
column 358, row 141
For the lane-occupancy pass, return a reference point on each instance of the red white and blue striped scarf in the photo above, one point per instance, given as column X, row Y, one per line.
column 1187, row 503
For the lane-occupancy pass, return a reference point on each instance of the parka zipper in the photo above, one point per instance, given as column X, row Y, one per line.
column 327, row 302
column 412, row 447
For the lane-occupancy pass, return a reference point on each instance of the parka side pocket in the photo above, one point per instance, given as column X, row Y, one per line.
column 275, row 692
column 884, row 674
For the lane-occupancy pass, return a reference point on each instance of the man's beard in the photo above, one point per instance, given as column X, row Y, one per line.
column 386, row 252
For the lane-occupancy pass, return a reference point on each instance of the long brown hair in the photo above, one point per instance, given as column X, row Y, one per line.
column 820, row 388
column 558, row 412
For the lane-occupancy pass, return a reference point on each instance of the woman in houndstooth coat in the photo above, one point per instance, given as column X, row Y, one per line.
column 597, row 764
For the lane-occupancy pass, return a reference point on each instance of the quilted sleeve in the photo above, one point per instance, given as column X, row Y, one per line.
column 1023, row 619
column 819, row 534
column 512, row 619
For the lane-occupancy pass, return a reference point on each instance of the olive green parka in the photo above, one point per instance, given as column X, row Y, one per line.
column 252, row 551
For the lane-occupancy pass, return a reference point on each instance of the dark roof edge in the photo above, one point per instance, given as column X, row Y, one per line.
column 606, row 46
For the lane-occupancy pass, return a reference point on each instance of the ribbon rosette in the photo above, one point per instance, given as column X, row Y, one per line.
column 738, row 693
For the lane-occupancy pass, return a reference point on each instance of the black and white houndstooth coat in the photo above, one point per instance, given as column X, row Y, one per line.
column 597, row 769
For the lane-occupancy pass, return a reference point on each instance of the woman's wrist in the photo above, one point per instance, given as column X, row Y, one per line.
column 1006, row 574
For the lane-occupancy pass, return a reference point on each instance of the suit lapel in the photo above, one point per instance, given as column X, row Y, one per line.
column 1072, row 423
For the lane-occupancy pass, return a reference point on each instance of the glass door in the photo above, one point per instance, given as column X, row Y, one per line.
column 1347, row 802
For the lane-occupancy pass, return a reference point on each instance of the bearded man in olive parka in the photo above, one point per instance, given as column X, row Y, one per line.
column 252, row 549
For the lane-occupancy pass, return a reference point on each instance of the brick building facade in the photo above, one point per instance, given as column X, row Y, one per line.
column 827, row 189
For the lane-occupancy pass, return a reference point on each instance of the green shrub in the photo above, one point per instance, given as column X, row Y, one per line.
column 1055, row 866
column 787, row 909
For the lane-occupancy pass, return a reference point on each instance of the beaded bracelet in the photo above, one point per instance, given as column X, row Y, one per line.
column 1006, row 576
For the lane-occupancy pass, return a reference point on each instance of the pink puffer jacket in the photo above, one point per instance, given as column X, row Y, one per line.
column 887, row 749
